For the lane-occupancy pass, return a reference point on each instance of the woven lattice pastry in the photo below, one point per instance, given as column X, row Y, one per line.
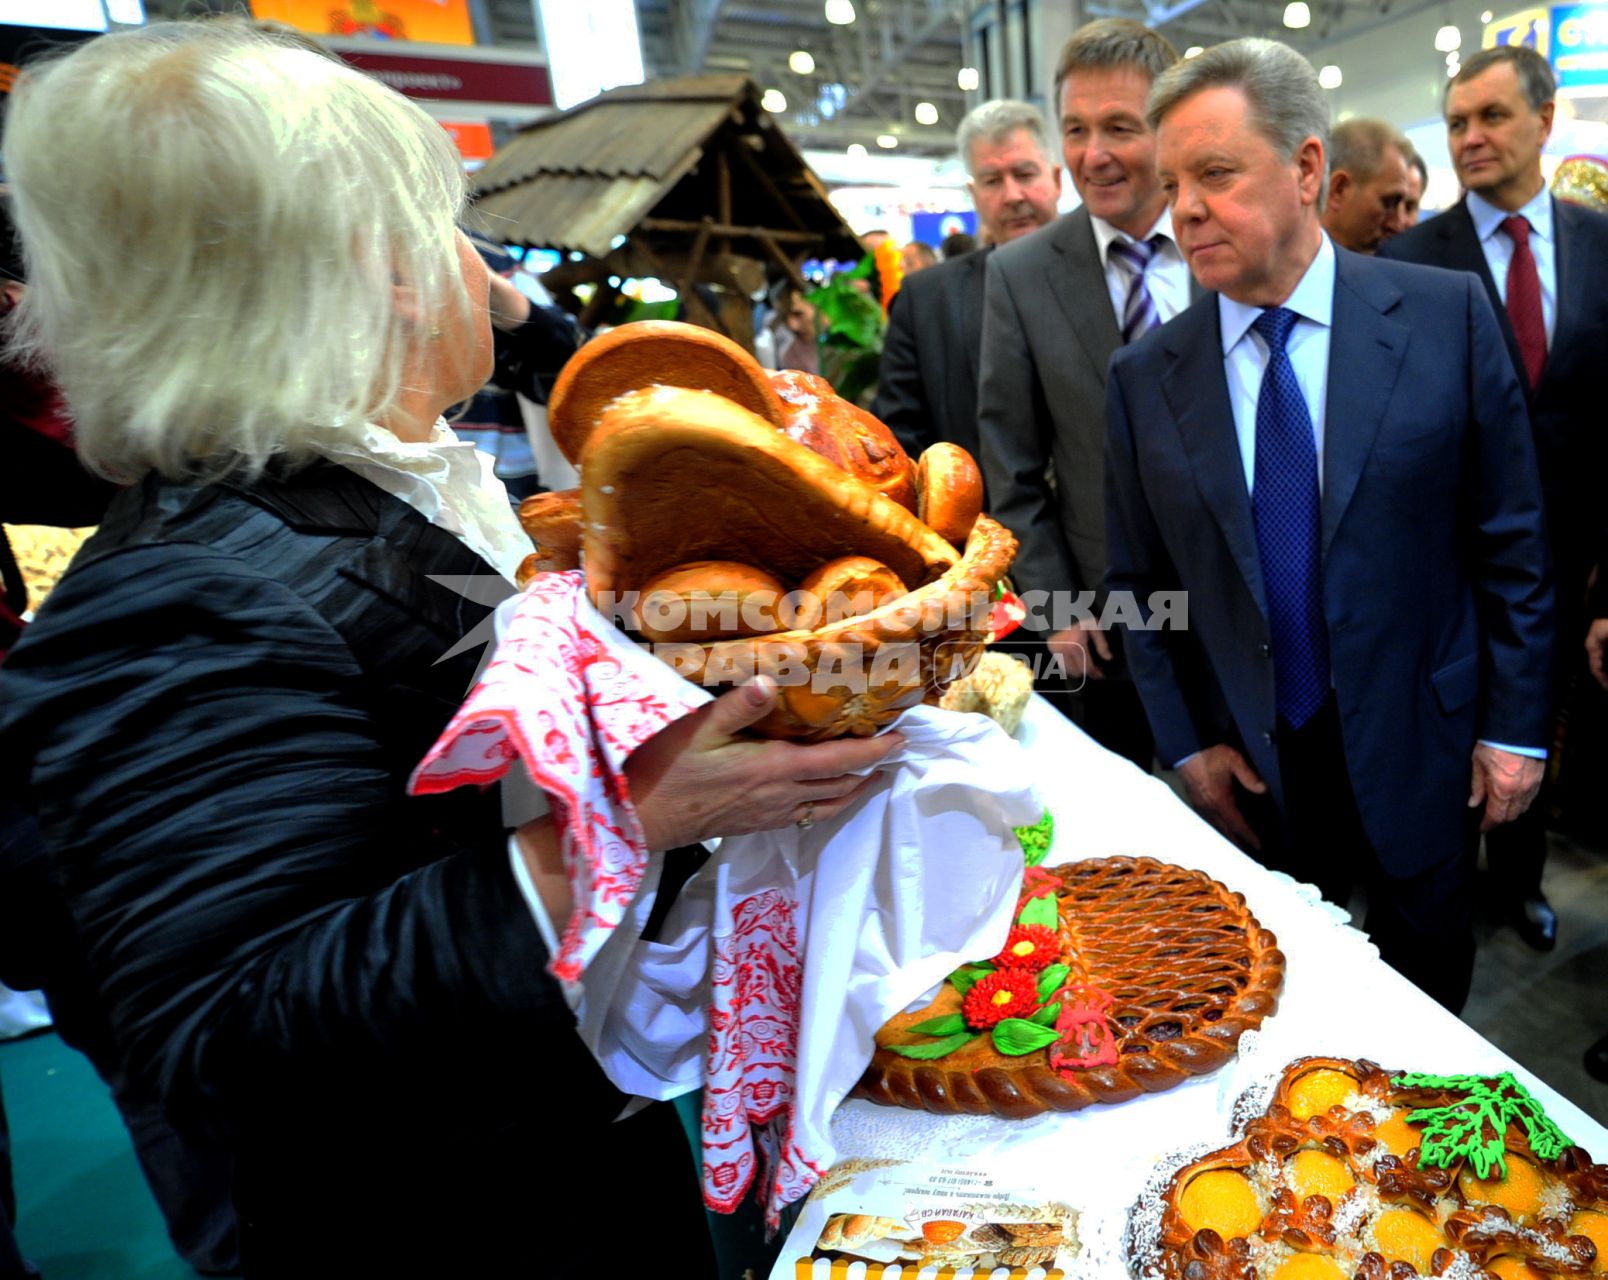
column 1352, row 1171
column 1123, row 976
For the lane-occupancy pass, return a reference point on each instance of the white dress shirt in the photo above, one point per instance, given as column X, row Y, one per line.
column 1245, row 355
column 1167, row 276
column 1498, row 248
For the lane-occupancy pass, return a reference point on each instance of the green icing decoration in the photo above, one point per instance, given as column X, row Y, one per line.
column 1036, row 839
column 1046, row 1016
column 969, row 975
column 946, row 1025
column 937, row 1049
column 1040, row 911
column 1473, row 1129
column 1017, row 1036
column 1049, row 981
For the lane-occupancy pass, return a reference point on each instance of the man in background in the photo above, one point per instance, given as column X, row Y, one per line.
column 1417, row 183
column 1058, row 304
column 916, row 256
column 928, row 387
column 1369, row 604
column 1369, row 181
column 1542, row 263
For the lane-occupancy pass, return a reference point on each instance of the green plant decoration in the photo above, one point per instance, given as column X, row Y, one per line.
column 1036, row 839
column 1474, row 1128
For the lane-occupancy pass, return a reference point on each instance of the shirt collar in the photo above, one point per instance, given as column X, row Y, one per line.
column 1488, row 218
column 1105, row 233
column 1312, row 299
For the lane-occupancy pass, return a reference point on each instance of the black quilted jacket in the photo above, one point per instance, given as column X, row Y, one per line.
column 214, row 718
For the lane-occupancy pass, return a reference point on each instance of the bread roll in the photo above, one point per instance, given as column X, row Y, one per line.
column 842, row 432
column 649, row 353
column 709, row 600
column 843, row 588
column 553, row 521
column 950, row 489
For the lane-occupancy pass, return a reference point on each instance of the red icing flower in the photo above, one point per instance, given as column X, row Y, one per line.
column 1010, row 993
column 1030, row 946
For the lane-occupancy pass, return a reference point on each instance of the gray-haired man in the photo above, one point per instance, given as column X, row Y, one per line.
column 1058, row 304
column 1369, row 181
column 928, row 387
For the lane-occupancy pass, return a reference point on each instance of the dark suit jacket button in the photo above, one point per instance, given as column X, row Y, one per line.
column 1268, row 738
column 1266, row 650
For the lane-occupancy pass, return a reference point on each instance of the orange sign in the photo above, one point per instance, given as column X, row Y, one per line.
column 424, row 21
column 473, row 140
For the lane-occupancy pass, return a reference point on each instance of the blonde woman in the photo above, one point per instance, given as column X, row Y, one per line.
column 247, row 282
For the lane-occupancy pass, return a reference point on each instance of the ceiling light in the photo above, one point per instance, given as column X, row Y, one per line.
column 1194, row 51
column 1297, row 15
column 926, row 113
column 840, row 12
column 774, row 101
column 1452, row 68
column 887, row 141
column 801, row 62
column 1448, row 38
column 1452, row 59
column 857, row 150
column 1486, row 16
column 967, row 79
column 1329, row 77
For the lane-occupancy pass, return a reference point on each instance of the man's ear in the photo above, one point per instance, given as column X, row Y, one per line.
column 1548, row 110
column 1311, row 169
column 1339, row 185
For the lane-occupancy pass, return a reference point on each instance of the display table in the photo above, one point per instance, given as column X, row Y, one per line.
column 1339, row 998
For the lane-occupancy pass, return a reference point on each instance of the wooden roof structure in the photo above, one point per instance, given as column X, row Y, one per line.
column 688, row 180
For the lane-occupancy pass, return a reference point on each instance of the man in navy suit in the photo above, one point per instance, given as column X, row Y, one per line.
column 1331, row 456
column 1550, row 301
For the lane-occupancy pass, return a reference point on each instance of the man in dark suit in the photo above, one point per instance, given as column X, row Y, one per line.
column 1057, row 305
column 1543, row 263
column 928, row 387
column 1329, row 454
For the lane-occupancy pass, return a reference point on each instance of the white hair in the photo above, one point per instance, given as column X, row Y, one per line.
column 994, row 122
column 214, row 225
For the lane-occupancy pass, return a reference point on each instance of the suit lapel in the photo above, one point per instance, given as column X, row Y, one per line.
column 1366, row 348
column 1196, row 390
column 1078, row 285
column 1461, row 251
column 969, row 298
column 1571, row 279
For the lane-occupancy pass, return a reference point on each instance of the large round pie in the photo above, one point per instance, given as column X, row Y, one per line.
column 1165, row 970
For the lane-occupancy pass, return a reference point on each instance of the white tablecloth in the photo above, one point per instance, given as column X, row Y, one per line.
column 1338, row 998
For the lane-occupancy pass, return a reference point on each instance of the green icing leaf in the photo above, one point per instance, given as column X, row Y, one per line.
column 1016, row 1036
column 968, row 976
column 937, row 1049
column 1046, row 1016
column 1040, row 911
column 944, row 1026
column 1049, row 982
column 1474, row 1128
column 1037, row 839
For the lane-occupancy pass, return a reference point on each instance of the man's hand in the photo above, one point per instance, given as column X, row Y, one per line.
column 703, row 777
column 1596, row 648
column 1504, row 783
column 1209, row 777
column 1082, row 647
column 509, row 307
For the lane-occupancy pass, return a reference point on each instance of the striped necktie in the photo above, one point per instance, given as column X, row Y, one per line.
column 1139, row 315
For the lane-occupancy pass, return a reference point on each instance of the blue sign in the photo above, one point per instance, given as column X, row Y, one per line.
column 932, row 228
column 1580, row 44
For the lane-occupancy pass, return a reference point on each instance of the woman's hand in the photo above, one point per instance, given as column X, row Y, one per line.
column 701, row 777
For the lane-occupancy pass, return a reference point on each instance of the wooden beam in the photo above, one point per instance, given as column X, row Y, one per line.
column 786, row 263
column 686, row 227
column 684, row 287
column 757, row 171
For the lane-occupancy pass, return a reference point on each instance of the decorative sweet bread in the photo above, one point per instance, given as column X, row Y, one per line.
column 842, row 432
column 1122, row 976
column 999, row 687
column 709, row 600
column 1354, row 1171
column 844, row 588
column 949, row 491
column 649, row 353
column 553, row 521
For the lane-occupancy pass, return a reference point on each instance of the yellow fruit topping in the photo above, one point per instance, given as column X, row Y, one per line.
column 1308, row 1266
column 1314, row 1093
column 1594, row 1226
column 1397, row 1136
column 1317, row 1173
column 942, row 1231
column 1519, row 1192
column 1513, row 1269
column 1402, row 1236
column 1221, row 1199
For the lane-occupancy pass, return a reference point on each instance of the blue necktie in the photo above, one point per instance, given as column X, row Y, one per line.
column 1285, row 504
column 1139, row 314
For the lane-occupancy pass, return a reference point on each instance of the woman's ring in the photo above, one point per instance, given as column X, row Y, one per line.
column 808, row 820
